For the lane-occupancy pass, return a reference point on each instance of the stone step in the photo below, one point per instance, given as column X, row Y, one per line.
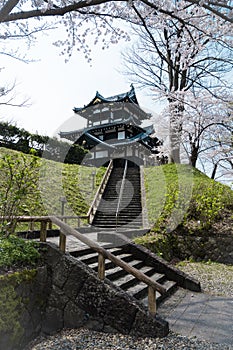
column 129, row 226
column 110, row 265
column 112, row 215
column 81, row 252
column 113, row 227
column 128, row 280
column 106, row 212
column 141, row 289
column 110, row 207
column 170, row 286
column 130, row 206
column 89, row 258
column 103, row 216
column 115, row 272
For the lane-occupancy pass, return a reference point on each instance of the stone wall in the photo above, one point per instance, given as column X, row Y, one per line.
column 65, row 293
column 217, row 248
column 78, row 298
column 23, row 299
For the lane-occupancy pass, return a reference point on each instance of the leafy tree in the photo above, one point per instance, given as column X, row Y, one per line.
column 51, row 148
column 17, row 175
column 61, row 151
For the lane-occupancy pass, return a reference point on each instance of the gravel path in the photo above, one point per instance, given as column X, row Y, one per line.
column 216, row 279
column 84, row 339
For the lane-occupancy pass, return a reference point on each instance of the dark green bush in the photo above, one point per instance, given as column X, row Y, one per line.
column 17, row 251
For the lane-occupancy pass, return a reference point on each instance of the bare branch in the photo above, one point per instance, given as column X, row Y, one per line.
column 7, row 8
column 57, row 11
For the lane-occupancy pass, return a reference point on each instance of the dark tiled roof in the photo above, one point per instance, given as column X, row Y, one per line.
column 129, row 96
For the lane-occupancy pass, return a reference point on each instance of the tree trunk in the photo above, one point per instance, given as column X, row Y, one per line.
column 214, row 171
column 176, row 114
column 174, row 146
column 194, row 155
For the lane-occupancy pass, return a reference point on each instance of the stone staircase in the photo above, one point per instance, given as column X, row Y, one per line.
column 118, row 231
column 130, row 209
column 144, row 261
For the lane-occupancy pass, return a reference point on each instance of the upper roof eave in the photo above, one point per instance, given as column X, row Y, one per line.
column 129, row 96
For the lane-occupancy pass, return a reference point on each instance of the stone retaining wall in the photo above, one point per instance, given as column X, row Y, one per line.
column 65, row 293
column 217, row 248
column 78, row 298
column 23, row 298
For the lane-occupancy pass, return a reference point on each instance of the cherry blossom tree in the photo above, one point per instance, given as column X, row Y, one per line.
column 96, row 17
column 207, row 130
column 191, row 31
column 177, row 59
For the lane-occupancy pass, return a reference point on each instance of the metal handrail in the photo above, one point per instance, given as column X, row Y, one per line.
column 99, row 192
column 121, row 192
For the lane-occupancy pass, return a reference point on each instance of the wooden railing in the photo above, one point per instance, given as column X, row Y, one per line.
column 97, row 198
column 45, row 222
column 121, row 192
column 103, row 254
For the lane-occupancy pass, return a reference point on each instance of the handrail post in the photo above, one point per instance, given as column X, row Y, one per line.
column 43, row 231
column 31, row 226
column 101, row 266
column 50, row 225
column 121, row 192
column 152, row 300
column 62, row 242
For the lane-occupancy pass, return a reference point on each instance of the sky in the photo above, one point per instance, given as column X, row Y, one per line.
column 55, row 87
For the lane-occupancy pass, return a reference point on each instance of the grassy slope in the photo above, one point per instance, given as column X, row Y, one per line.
column 183, row 197
column 55, row 180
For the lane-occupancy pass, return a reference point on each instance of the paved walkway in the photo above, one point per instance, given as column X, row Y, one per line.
column 206, row 317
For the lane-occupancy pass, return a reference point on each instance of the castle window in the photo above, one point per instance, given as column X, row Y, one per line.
column 105, row 121
column 121, row 135
column 101, row 154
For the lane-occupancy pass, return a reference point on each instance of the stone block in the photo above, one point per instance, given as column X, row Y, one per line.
column 75, row 281
column 120, row 313
column 149, row 326
column 95, row 297
column 74, row 317
column 53, row 320
column 57, row 298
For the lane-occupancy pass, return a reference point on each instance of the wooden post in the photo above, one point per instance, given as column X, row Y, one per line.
column 78, row 221
column 50, row 225
column 152, row 300
column 62, row 242
column 31, row 225
column 43, row 231
column 101, row 266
